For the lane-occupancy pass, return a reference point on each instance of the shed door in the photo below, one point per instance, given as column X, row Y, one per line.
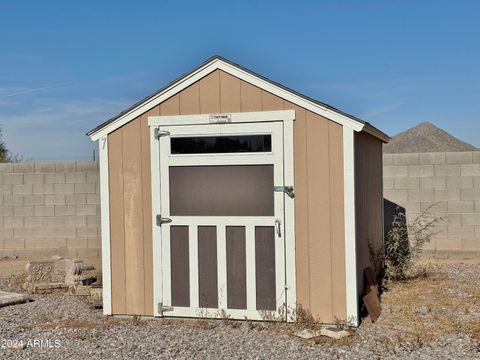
column 223, row 253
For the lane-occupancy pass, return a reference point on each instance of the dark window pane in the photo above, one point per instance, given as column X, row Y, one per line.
column 221, row 144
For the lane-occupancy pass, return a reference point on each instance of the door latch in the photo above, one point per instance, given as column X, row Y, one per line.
column 163, row 220
column 278, row 226
column 285, row 189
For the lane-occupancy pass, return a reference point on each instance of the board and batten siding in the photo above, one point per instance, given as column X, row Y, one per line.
column 319, row 225
column 368, row 200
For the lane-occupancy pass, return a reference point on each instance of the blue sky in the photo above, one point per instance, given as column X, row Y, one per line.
column 66, row 66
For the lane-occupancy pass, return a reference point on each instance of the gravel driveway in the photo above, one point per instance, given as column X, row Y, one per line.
column 76, row 330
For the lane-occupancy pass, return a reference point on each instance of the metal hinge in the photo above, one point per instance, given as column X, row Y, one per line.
column 159, row 133
column 162, row 220
column 285, row 189
column 162, row 309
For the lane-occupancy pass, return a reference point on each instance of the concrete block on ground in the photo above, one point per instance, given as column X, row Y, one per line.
column 44, row 167
column 6, row 233
column 75, row 177
column 55, row 221
column 76, row 199
column 65, row 167
column 395, row 171
column 470, row 194
column 432, row 158
column 406, row 159
column 460, row 157
column 64, row 210
column 23, row 211
column 461, row 206
column 6, row 189
column 23, row 189
column 13, row 221
column 433, row 183
column 66, row 232
column 44, row 210
column 64, row 188
column 23, row 233
column 23, row 167
column 43, row 189
column 459, row 182
column 14, row 179
column 470, row 169
column 55, row 199
column 55, row 178
column 407, row 183
column 46, row 243
column 93, row 177
column 37, row 199
column 420, row 170
column 14, row 243
column 6, row 210
column 420, row 195
column 471, row 219
column 87, row 165
column 461, row 231
column 453, row 219
column 447, row 170
column 86, row 210
column 387, row 159
column 87, row 188
column 44, row 232
column 33, row 178
column 6, row 167
column 449, row 194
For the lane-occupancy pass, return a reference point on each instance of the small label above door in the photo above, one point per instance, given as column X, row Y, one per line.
column 219, row 118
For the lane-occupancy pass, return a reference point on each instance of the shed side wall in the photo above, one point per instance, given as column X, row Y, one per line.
column 318, row 153
column 368, row 200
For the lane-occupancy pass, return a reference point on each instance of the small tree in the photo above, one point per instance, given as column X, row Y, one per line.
column 5, row 154
column 405, row 241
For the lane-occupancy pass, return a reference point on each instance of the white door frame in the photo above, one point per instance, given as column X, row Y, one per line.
column 286, row 117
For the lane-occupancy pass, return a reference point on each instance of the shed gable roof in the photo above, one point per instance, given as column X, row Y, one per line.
column 218, row 62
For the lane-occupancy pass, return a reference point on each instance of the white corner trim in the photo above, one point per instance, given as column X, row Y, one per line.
column 350, row 227
column 156, row 233
column 105, row 222
column 289, row 208
column 243, row 117
column 216, row 64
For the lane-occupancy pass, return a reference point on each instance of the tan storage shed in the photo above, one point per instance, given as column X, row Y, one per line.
column 227, row 194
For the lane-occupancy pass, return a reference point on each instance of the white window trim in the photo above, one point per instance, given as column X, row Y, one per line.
column 216, row 64
column 350, row 226
column 105, row 222
column 287, row 116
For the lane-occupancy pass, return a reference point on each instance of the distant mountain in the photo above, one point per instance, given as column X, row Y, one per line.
column 425, row 137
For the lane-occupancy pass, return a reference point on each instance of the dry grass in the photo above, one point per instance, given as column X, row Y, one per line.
column 430, row 306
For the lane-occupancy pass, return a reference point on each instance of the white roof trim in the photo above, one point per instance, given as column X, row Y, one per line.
column 211, row 66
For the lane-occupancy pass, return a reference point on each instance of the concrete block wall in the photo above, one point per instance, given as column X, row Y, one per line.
column 449, row 183
column 49, row 208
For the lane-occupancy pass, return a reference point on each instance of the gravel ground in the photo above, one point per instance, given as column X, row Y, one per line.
column 81, row 332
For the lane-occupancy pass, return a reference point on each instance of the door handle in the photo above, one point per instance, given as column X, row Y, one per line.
column 278, row 227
